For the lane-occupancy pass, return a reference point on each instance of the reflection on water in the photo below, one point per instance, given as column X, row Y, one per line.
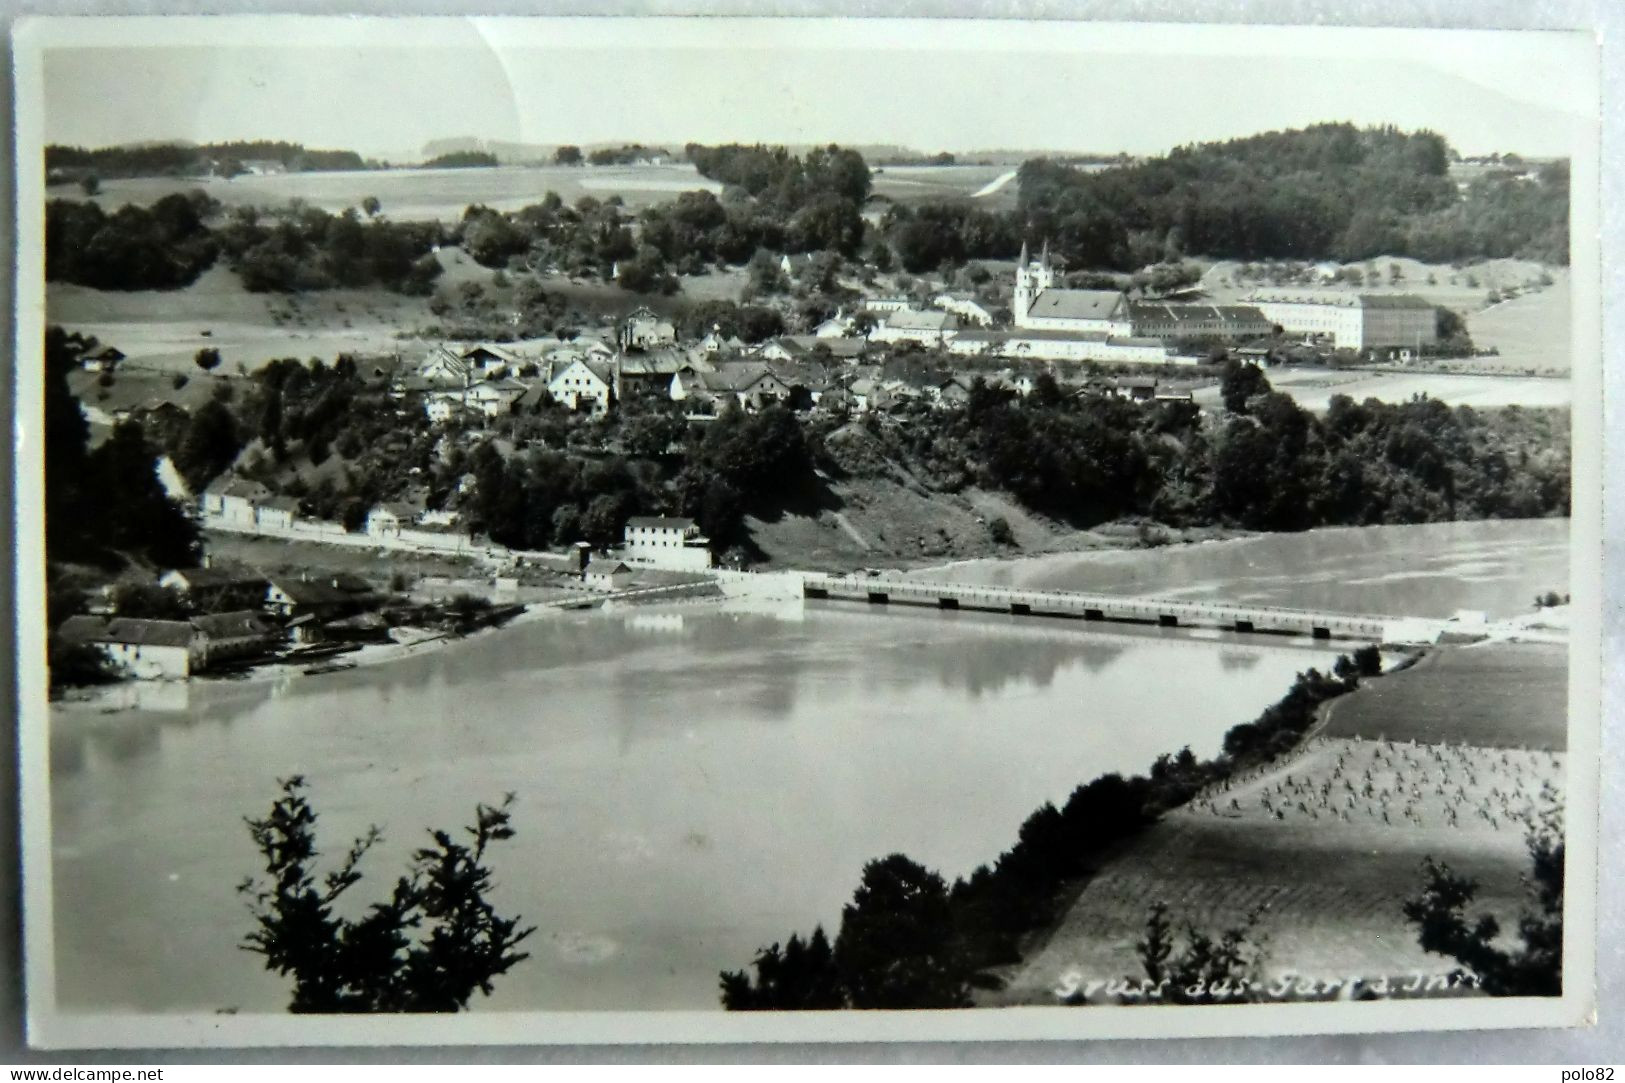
column 694, row 782
column 690, row 789
column 1430, row 570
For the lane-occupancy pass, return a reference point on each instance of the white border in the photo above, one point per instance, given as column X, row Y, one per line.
column 53, row 1029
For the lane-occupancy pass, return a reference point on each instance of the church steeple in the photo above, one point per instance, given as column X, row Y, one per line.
column 1023, row 261
column 1044, row 257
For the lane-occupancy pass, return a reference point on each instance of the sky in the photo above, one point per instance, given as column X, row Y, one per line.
column 387, row 87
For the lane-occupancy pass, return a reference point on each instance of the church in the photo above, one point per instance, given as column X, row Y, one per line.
column 1039, row 306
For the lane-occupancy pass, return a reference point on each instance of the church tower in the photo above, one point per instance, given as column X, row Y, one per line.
column 1032, row 278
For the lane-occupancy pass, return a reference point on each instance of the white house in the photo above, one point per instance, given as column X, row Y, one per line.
column 143, row 649
column 607, row 575
column 910, row 325
column 1354, row 321
column 232, row 500
column 839, row 325
column 965, row 306
column 278, row 513
column 493, row 398
column 751, row 384
column 387, row 520
column 666, row 542
column 586, row 386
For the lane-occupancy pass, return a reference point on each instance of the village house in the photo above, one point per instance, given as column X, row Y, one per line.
column 651, row 373
column 911, row 325
column 487, row 359
column 966, row 306
column 584, row 386
column 666, row 542
column 140, row 648
column 493, row 398
column 750, row 384
column 810, row 347
column 607, row 575
column 954, row 391
column 231, row 500
column 294, row 596
column 228, row 636
column 278, row 513
column 388, row 519
column 715, row 342
column 643, row 330
column 215, row 589
column 839, row 325
column 887, row 304
column 444, row 367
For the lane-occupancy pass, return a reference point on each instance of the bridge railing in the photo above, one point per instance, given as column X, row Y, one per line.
column 1134, row 607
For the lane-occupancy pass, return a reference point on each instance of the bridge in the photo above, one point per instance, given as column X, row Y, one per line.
column 1160, row 612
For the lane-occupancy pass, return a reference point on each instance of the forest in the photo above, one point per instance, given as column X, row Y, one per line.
column 193, row 160
column 1331, row 191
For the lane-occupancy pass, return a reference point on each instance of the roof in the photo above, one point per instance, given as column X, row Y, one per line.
column 232, row 485
column 243, row 622
column 310, row 591
column 1156, row 310
column 660, row 522
column 607, row 567
column 281, row 503
column 136, row 631
column 664, row 362
column 838, row 347
column 1393, row 300
column 604, row 371
column 740, row 376
column 1338, row 299
column 1075, row 304
column 908, row 319
column 205, row 578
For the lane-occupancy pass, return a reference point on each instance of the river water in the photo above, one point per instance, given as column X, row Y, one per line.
column 693, row 781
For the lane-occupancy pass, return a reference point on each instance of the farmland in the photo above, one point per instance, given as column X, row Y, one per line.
column 418, row 194
column 1327, row 845
column 443, row 194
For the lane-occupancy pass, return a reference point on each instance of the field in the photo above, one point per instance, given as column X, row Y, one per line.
column 1493, row 695
column 417, row 194
column 1312, row 388
column 1532, row 331
column 443, row 194
column 920, row 183
column 1328, row 845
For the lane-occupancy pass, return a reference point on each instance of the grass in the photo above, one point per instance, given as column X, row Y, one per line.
column 1491, row 695
column 921, row 183
column 1313, row 389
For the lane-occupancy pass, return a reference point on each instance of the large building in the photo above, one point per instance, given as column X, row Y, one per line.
column 1351, row 321
column 1039, row 306
column 1161, row 320
column 666, row 542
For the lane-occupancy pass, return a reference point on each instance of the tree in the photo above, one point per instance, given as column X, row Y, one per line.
column 428, row 947
column 567, row 155
column 1202, row 970
column 90, row 184
column 207, row 359
column 895, row 948
column 1239, row 382
column 370, row 206
column 149, row 600
column 1533, row 964
column 799, row 977
column 211, row 443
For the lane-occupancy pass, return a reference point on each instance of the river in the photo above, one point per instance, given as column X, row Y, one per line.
column 693, row 781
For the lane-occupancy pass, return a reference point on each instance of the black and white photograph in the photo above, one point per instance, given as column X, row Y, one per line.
column 694, row 530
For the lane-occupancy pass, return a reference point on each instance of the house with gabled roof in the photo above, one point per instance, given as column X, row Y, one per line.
column 233, row 500
column 584, row 386
column 933, row 328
